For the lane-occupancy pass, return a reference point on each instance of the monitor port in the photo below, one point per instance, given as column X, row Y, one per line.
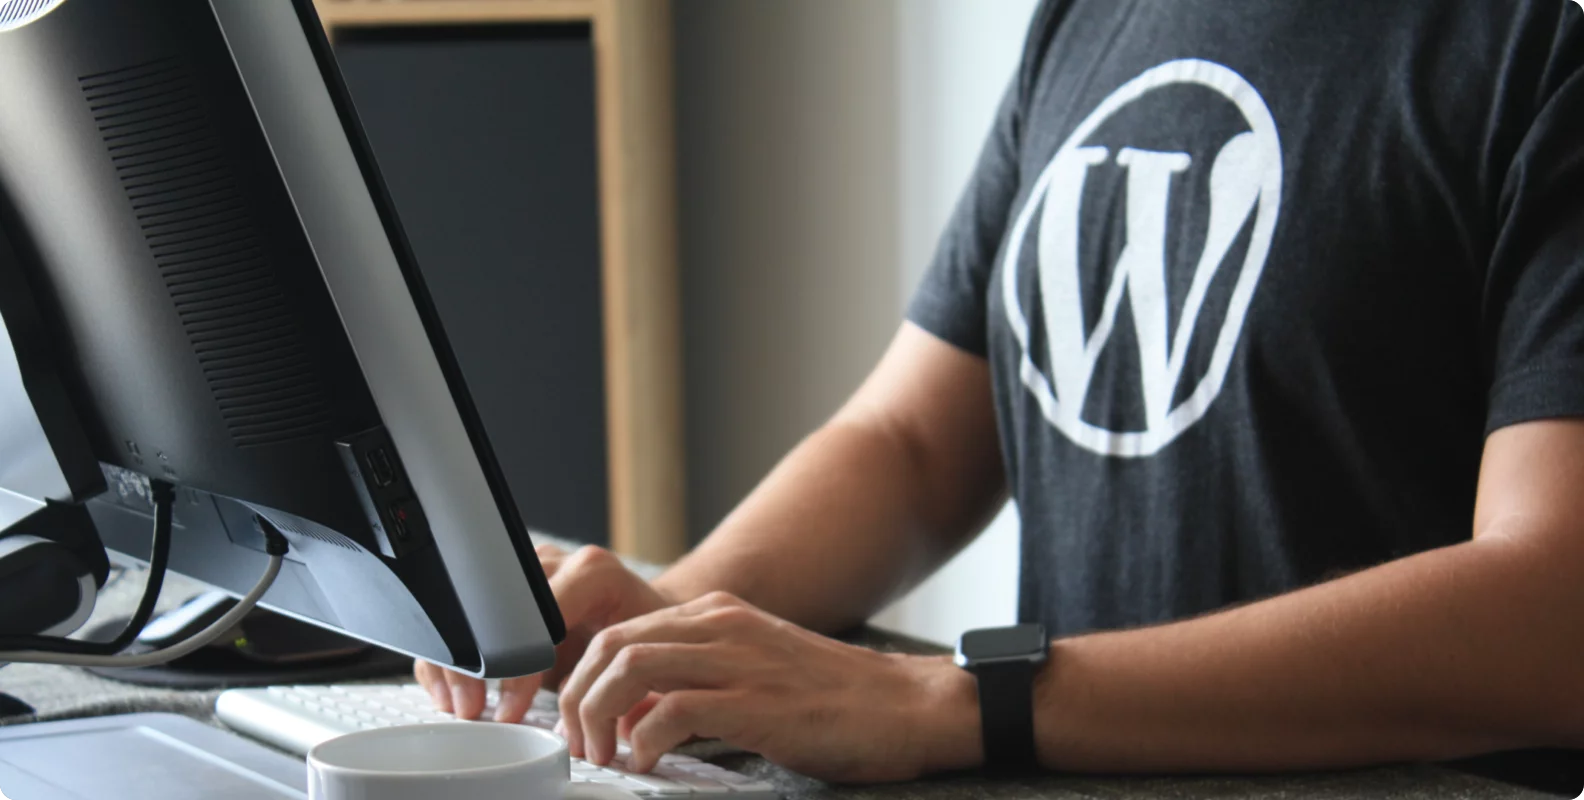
column 381, row 469
column 401, row 519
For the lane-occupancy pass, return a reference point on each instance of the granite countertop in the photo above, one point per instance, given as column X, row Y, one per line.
column 62, row 693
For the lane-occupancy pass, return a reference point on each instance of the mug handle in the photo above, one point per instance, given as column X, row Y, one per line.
column 596, row 791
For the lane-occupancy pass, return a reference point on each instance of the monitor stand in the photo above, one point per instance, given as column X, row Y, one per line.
column 265, row 649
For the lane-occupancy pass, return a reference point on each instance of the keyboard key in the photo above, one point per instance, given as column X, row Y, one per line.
column 697, row 768
column 698, row 783
column 742, row 783
column 704, row 785
column 622, row 782
column 657, row 784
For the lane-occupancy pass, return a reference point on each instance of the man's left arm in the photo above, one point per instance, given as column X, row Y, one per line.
column 1467, row 649
column 1471, row 648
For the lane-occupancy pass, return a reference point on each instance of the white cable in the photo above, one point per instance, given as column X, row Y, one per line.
column 195, row 642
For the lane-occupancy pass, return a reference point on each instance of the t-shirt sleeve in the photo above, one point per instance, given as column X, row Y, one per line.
column 950, row 301
column 1534, row 293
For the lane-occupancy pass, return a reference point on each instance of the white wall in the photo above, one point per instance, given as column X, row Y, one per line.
column 822, row 145
column 957, row 57
column 787, row 178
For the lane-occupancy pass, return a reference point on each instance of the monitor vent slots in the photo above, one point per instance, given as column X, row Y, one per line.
column 198, row 225
column 20, row 11
column 289, row 523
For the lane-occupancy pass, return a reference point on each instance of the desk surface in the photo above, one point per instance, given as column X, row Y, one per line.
column 60, row 693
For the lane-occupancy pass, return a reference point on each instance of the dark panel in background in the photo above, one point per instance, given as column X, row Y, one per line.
column 486, row 137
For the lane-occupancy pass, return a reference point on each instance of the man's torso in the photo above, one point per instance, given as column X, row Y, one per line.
column 1240, row 319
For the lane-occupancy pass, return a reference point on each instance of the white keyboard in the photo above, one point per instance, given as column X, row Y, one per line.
column 295, row 718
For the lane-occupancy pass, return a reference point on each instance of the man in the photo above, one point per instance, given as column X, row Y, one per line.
column 1270, row 317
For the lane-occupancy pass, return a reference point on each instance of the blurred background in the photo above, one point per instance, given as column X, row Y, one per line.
column 682, row 231
column 822, row 147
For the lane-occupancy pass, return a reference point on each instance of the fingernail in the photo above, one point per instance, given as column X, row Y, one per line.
column 456, row 700
column 559, row 729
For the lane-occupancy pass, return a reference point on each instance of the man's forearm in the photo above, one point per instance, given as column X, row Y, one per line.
column 1453, row 652
column 870, row 503
column 831, row 534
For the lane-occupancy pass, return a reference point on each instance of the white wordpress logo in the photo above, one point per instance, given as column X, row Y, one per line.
column 1245, row 179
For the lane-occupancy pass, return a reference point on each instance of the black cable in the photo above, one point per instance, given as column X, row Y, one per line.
column 164, row 496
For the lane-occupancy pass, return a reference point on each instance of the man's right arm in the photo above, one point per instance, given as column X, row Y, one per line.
column 871, row 503
column 910, row 468
column 867, row 506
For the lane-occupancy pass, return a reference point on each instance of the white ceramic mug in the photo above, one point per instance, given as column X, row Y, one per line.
column 449, row 760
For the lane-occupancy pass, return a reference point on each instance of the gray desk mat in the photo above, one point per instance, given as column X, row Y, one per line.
column 139, row 757
column 65, row 693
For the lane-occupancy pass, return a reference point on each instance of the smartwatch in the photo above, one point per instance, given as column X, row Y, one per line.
column 1004, row 662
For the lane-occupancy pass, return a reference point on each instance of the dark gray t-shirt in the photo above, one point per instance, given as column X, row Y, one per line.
column 1255, row 280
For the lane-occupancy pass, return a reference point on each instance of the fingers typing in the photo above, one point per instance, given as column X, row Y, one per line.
column 467, row 695
column 635, row 672
column 677, row 717
column 432, row 678
column 516, row 697
column 659, row 652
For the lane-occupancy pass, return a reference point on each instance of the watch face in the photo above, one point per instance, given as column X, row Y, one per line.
column 1018, row 641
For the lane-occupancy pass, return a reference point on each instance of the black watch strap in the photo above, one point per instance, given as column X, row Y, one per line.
column 1006, row 715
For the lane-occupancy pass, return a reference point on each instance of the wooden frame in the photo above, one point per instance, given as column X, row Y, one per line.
column 638, row 240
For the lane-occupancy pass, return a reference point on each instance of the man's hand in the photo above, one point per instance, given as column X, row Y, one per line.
column 718, row 667
column 593, row 589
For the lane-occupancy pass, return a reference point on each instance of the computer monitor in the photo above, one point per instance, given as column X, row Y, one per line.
column 211, row 289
